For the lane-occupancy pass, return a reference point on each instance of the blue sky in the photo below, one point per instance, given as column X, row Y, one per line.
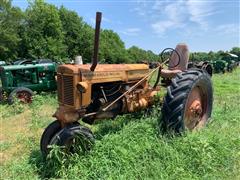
column 156, row 24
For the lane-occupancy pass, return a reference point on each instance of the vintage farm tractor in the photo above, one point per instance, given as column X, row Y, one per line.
column 20, row 81
column 204, row 65
column 220, row 66
column 99, row 91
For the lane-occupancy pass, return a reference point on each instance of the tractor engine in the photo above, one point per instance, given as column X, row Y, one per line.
column 83, row 93
column 99, row 91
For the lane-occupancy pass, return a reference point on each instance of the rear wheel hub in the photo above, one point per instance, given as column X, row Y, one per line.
column 195, row 111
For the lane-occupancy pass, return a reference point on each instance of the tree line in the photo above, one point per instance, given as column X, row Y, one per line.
column 45, row 31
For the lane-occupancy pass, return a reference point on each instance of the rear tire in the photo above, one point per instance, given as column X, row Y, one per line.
column 188, row 103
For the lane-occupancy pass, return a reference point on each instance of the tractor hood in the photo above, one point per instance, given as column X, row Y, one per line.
column 109, row 72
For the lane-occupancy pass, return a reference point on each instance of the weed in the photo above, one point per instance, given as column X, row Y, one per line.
column 130, row 147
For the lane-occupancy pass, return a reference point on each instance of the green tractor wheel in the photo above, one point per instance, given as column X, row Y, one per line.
column 23, row 94
column 188, row 103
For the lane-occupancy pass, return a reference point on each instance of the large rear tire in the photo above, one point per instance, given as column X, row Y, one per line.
column 188, row 103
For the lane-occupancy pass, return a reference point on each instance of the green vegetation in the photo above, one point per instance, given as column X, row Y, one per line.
column 129, row 147
column 45, row 31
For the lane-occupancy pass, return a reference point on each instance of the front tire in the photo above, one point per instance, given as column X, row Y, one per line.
column 47, row 136
column 74, row 138
column 188, row 103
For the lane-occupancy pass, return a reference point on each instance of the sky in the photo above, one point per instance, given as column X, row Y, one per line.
column 204, row 25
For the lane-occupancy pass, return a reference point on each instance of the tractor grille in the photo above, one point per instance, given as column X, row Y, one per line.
column 59, row 87
column 65, row 89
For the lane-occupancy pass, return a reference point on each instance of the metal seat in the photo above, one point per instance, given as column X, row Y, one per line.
column 174, row 65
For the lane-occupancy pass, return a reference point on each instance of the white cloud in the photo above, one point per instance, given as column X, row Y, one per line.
column 161, row 26
column 228, row 29
column 131, row 31
column 104, row 19
column 199, row 11
column 171, row 15
column 164, row 15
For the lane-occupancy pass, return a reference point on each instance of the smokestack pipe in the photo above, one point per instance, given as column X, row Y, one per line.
column 96, row 41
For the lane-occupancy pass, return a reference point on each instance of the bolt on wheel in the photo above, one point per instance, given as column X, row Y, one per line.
column 188, row 103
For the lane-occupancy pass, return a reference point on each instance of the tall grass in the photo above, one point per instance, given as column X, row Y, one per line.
column 131, row 147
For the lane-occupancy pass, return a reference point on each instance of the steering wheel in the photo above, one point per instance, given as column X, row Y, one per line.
column 172, row 50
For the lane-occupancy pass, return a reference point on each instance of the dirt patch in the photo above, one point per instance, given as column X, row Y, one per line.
column 14, row 130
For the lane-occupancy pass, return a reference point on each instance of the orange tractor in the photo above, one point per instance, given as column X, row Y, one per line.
column 98, row 91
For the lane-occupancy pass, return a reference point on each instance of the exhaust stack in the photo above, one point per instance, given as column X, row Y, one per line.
column 96, row 41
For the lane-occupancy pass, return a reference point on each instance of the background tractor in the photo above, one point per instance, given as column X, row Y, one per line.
column 220, row 66
column 204, row 65
column 3, row 63
column 227, row 63
column 19, row 81
column 99, row 91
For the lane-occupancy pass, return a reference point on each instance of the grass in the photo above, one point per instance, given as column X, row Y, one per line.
column 128, row 147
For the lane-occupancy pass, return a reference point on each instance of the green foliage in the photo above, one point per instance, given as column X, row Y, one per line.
column 78, row 36
column 43, row 36
column 112, row 48
column 10, row 21
column 139, row 55
column 45, row 31
column 214, row 56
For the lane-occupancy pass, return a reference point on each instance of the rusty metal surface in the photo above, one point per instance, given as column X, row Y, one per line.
column 96, row 41
column 195, row 111
column 102, row 74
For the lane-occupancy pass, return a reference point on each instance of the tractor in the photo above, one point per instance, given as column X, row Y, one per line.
column 89, row 92
column 232, row 61
column 220, row 66
column 204, row 65
column 3, row 63
column 20, row 81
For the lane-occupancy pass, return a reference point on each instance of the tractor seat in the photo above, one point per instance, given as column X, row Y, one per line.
column 174, row 65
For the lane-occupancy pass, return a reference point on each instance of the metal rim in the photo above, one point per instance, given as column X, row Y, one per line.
column 76, row 142
column 24, row 97
column 195, row 114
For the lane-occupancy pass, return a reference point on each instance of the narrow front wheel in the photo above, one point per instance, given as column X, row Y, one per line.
column 74, row 138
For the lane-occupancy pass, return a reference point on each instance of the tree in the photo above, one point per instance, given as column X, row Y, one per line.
column 137, row 54
column 112, row 48
column 78, row 36
column 43, row 36
column 236, row 51
column 10, row 21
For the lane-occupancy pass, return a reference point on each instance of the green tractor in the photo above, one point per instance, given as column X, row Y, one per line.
column 3, row 63
column 227, row 63
column 232, row 61
column 220, row 66
column 20, row 81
